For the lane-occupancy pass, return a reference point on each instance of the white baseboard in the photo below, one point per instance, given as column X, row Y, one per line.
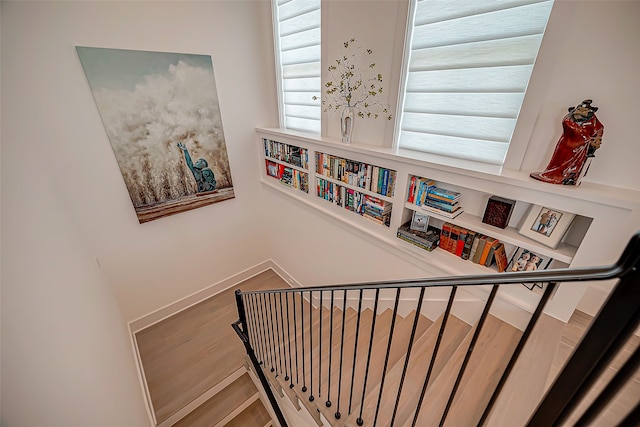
column 175, row 307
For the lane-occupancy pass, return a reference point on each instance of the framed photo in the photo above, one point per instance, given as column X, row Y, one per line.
column 419, row 221
column 546, row 225
column 526, row 260
column 272, row 169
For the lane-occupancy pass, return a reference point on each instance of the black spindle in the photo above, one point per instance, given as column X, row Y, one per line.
column 465, row 362
column 408, row 356
column 284, row 341
column 304, row 374
column 386, row 358
column 359, row 420
column 445, row 317
column 286, row 296
column 355, row 350
column 274, row 367
column 344, row 311
column 295, row 337
column 320, row 349
column 328, row 402
column 310, row 346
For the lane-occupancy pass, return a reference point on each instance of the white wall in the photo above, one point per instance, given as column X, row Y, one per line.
column 589, row 51
column 67, row 359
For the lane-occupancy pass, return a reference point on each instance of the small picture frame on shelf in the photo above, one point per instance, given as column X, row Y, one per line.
column 272, row 169
column 419, row 221
column 526, row 260
column 546, row 225
column 498, row 211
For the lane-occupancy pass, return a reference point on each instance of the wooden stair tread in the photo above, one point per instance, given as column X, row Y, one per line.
column 222, row 404
column 421, row 353
column 254, row 415
column 491, row 354
column 516, row 403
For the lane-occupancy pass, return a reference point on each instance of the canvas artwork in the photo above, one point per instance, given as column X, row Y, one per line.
column 162, row 117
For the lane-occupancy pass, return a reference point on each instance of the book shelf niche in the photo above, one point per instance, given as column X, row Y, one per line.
column 359, row 187
column 287, row 163
column 440, row 208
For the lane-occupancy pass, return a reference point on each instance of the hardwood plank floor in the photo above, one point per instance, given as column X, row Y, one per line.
column 186, row 354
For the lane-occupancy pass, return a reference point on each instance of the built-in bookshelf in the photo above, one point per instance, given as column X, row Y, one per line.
column 287, row 163
column 440, row 208
column 359, row 187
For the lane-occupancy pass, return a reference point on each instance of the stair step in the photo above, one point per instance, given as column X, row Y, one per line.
column 254, row 415
column 490, row 356
column 222, row 405
column 417, row 368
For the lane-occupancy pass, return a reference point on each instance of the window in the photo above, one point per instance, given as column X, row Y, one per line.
column 297, row 37
column 468, row 68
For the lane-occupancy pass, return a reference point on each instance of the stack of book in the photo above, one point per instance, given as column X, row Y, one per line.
column 473, row 246
column 377, row 210
column 427, row 240
column 442, row 202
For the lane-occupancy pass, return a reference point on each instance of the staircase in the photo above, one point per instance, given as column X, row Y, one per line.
column 399, row 354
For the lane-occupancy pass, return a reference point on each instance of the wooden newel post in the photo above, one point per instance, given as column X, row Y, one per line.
column 241, row 313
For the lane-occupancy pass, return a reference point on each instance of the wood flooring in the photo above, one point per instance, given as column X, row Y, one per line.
column 190, row 352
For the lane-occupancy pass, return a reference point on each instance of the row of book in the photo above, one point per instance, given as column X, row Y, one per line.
column 425, row 193
column 288, row 175
column 473, row 246
column 370, row 207
column 286, row 153
column 369, row 177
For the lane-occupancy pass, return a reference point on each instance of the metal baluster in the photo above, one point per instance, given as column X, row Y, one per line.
column 408, row 356
column 359, row 420
column 516, row 353
column 263, row 344
column 286, row 295
column 304, row 374
column 320, row 350
column 474, row 339
column 295, row 336
column 386, row 358
column 328, row 402
column 284, row 343
column 251, row 331
column 344, row 311
column 272, row 335
column 311, row 346
column 265, row 326
column 276, row 337
column 445, row 317
column 355, row 350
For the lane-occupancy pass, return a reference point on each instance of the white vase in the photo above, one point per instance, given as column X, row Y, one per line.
column 346, row 124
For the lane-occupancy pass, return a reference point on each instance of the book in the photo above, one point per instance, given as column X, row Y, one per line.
column 487, row 248
column 501, row 257
column 451, row 215
column 412, row 190
column 453, row 239
column 491, row 257
column 498, row 211
column 442, row 193
column 444, row 235
column 481, row 244
column 468, row 244
column 462, row 237
column 474, row 246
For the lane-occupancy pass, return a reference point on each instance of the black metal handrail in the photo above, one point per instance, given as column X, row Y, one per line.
column 269, row 329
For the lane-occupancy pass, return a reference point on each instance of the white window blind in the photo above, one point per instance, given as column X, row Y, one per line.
column 469, row 66
column 297, row 27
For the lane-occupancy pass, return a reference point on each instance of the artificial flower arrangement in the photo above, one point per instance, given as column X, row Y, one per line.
column 350, row 86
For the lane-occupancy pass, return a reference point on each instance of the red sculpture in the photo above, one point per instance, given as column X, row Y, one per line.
column 582, row 136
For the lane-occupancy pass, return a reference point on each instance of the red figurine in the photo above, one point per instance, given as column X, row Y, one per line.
column 582, row 136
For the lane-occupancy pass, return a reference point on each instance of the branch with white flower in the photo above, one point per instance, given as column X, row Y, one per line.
column 350, row 86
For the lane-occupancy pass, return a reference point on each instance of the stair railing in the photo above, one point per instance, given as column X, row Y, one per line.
column 285, row 335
